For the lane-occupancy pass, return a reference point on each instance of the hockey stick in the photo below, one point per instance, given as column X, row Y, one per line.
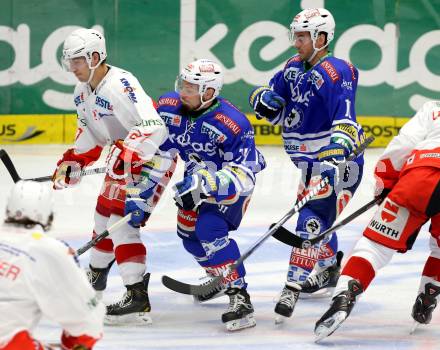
column 213, row 284
column 102, row 235
column 290, row 238
column 4, row 156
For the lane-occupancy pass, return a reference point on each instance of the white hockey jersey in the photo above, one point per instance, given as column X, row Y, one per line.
column 418, row 144
column 38, row 275
column 117, row 109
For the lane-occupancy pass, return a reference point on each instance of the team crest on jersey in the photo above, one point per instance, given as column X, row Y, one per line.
column 171, row 118
column 435, row 115
column 294, row 120
column 291, row 73
column 312, row 225
column 316, row 79
column 214, row 134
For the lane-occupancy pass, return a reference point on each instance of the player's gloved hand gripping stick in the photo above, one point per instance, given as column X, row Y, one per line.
column 4, row 156
column 206, row 288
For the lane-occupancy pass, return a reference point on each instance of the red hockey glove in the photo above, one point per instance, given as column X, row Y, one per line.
column 122, row 162
column 73, row 163
column 386, row 177
column 83, row 342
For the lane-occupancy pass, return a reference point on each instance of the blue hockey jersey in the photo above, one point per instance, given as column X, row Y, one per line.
column 220, row 138
column 320, row 105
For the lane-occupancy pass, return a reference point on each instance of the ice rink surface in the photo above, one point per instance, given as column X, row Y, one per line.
column 380, row 320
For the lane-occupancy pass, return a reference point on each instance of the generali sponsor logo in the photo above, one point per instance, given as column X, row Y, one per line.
column 168, row 101
column 232, row 125
column 331, row 71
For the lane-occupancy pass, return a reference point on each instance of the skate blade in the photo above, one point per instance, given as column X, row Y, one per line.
column 321, row 293
column 414, row 327
column 279, row 319
column 134, row 319
column 99, row 294
column 246, row 322
column 331, row 324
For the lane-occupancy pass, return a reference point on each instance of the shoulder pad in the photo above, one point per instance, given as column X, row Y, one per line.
column 227, row 121
column 352, row 69
column 331, row 70
column 168, row 101
column 293, row 59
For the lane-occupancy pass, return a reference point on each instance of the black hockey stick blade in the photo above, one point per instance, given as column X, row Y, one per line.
column 290, row 238
column 9, row 166
column 213, row 284
column 287, row 237
column 193, row 289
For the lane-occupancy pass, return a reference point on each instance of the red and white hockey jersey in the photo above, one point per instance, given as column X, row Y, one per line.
column 117, row 109
column 38, row 276
column 418, row 144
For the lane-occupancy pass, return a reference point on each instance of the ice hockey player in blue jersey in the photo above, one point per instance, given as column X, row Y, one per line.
column 313, row 99
column 216, row 142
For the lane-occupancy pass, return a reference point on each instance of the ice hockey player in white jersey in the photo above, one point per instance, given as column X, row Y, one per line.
column 408, row 178
column 112, row 109
column 39, row 276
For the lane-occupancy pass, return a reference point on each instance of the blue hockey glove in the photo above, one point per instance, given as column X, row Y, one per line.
column 136, row 203
column 194, row 189
column 331, row 157
column 266, row 103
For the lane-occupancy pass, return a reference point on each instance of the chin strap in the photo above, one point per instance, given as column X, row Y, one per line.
column 315, row 51
column 92, row 71
column 203, row 104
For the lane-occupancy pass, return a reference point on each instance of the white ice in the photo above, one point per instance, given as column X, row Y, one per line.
column 380, row 320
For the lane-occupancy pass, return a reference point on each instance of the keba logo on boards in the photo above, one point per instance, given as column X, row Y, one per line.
column 9, row 130
column 386, row 71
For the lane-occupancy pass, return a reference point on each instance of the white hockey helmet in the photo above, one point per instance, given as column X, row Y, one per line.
column 314, row 21
column 83, row 42
column 30, row 203
column 204, row 73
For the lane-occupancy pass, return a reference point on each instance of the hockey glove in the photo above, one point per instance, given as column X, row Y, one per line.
column 82, row 342
column 194, row 189
column 73, row 163
column 331, row 157
column 381, row 193
column 137, row 204
column 121, row 162
column 266, row 103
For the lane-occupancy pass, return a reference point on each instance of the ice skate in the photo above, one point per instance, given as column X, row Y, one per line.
column 134, row 307
column 324, row 279
column 424, row 306
column 286, row 303
column 240, row 313
column 98, row 278
column 339, row 310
